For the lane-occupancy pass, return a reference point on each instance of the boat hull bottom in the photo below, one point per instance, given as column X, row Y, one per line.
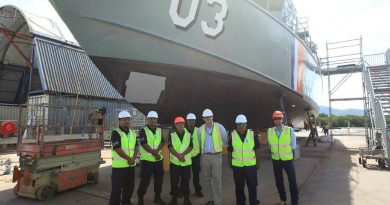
column 192, row 90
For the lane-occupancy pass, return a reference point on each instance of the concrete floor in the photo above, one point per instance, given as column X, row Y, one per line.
column 326, row 175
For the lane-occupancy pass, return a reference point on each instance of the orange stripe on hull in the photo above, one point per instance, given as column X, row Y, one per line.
column 301, row 65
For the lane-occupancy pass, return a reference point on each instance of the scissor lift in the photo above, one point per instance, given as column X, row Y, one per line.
column 50, row 164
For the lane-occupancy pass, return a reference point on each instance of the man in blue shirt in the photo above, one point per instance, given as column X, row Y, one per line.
column 212, row 137
column 282, row 142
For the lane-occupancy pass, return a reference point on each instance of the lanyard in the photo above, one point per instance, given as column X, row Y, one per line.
column 210, row 133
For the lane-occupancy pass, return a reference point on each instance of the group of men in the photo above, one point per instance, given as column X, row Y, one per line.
column 193, row 149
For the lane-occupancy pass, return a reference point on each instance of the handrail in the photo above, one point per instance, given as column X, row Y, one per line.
column 380, row 121
column 377, row 59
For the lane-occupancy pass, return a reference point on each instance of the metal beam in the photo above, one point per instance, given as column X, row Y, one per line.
column 336, row 42
column 9, row 35
column 346, row 99
column 342, row 70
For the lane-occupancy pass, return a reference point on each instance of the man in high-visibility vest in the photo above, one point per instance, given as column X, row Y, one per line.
column 180, row 146
column 124, row 149
column 313, row 135
column 212, row 138
column 151, row 140
column 190, row 122
column 282, row 143
column 243, row 148
column 325, row 128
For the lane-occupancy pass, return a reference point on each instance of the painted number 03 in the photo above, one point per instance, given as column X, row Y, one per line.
column 185, row 22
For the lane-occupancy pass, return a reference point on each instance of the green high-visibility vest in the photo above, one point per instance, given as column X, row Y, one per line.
column 127, row 145
column 243, row 154
column 195, row 142
column 180, row 147
column 153, row 141
column 216, row 134
column 280, row 146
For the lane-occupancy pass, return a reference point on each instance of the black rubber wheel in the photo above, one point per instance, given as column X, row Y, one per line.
column 381, row 163
column 364, row 163
column 384, row 165
column 360, row 160
column 45, row 193
column 15, row 190
column 96, row 177
column 93, row 177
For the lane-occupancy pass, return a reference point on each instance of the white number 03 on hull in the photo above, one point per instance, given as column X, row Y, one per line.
column 185, row 22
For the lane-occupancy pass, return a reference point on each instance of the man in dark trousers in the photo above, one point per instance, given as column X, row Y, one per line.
column 190, row 122
column 313, row 131
column 124, row 150
column 243, row 146
column 180, row 146
column 325, row 128
column 282, row 143
column 151, row 141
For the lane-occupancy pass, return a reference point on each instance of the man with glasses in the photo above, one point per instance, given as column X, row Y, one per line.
column 244, row 159
column 180, row 146
column 282, row 142
column 151, row 140
column 212, row 138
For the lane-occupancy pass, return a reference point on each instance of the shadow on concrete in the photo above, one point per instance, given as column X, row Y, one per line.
column 329, row 182
column 324, row 175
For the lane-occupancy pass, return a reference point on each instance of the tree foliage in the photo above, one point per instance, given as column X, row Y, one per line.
column 344, row 121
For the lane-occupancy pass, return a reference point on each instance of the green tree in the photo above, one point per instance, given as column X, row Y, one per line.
column 342, row 121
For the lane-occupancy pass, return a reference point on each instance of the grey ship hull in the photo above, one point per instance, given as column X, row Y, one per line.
column 247, row 68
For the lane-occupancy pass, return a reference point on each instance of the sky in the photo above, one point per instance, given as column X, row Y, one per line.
column 337, row 20
column 41, row 8
column 329, row 21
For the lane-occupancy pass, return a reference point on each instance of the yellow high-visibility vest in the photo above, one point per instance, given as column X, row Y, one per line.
column 216, row 134
column 127, row 145
column 153, row 141
column 180, row 147
column 280, row 146
column 243, row 154
column 195, row 142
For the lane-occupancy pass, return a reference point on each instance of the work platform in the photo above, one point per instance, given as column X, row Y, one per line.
column 342, row 70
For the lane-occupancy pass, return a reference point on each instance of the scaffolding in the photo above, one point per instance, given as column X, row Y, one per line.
column 346, row 58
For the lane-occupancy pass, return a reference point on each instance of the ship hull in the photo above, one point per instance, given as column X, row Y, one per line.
column 248, row 68
column 189, row 90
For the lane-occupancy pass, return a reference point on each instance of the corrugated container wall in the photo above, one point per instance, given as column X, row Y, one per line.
column 112, row 108
column 10, row 112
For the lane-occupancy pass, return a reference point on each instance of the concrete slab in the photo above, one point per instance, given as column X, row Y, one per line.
column 339, row 179
column 326, row 175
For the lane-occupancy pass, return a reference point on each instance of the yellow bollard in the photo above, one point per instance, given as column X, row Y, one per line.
column 263, row 137
column 165, row 152
column 224, row 151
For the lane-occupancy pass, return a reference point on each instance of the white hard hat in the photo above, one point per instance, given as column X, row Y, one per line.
column 191, row 116
column 241, row 119
column 124, row 114
column 207, row 113
column 152, row 114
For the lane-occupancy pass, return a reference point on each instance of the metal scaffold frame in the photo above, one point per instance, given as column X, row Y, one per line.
column 345, row 58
